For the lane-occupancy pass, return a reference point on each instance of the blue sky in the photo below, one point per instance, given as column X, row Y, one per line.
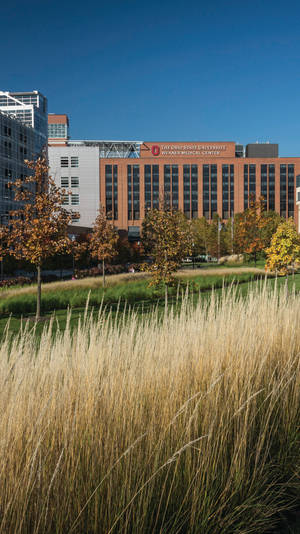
column 161, row 70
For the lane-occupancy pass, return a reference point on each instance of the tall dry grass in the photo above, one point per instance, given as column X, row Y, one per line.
column 186, row 424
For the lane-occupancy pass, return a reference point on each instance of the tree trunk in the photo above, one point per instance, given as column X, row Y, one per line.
column 39, row 293
column 103, row 272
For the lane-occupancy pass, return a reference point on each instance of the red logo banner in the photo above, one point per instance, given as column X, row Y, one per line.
column 155, row 150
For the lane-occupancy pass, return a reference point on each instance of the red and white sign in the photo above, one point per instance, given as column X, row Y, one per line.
column 155, row 150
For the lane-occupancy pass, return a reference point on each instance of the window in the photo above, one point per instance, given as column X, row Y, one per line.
column 231, row 190
column 151, row 181
column 249, row 184
column 291, row 190
column 64, row 181
column 64, row 162
column 283, row 195
column 206, row 191
column 65, row 200
column 7, row 131
column 225, row 191
column 75, row 217
column 74, row 161
column 133, row 191
column 57, row 130
column 74, row 199
column 74, row 181
column 111, row 191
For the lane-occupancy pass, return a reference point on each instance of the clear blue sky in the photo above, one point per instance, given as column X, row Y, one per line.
column 160, row 70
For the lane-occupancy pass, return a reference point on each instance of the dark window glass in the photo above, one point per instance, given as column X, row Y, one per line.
column 194, row 190
column 175, row 186
column 151, row 186
column 291, row 190
column 231, row 190
column 205, row 205
column 246, row 187
column 283, row 187
column 225, row 191
column 111, row 191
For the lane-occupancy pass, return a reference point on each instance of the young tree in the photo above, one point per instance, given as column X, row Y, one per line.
column 167, row 236
column 38, row 229
column 200, row 231
column 284, row 249
column 253, row 231
column 103, row 240
column 3, row 245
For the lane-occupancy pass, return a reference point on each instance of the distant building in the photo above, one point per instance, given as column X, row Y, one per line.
column 75, row 166
column 199, row 178
column 23, row 135
column 58, row 129
column 30, row 108
column 17, row 142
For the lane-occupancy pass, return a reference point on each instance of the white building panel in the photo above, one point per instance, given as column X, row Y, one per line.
column 63, row 161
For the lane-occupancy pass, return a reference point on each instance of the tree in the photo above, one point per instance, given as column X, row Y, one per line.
column 200, row 231
column 284, row 249
column 167, row 236
column 254, row 228
column 3, row 245
column 216, row 245
column 103, row 240
column 38, row 229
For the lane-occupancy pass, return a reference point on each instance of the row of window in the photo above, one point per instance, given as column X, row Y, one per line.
column 57, row 131
column 190, row 189
column 7, row 132
column 72, row 199
column 66, row 182
column 72, row 161
column 14, row 151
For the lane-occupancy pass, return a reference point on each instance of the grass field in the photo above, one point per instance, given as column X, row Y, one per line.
column 122, row 291
column 181, row 424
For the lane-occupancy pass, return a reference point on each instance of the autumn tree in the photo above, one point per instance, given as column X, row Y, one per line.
column 103, row 240
column 284, row 249
column 3, row 245
column 199, row 233
column 38, row 229
column 167, row 236
column 254, row 228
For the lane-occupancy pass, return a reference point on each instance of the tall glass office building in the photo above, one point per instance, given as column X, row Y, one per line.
column 30, row 108
column 23, row 135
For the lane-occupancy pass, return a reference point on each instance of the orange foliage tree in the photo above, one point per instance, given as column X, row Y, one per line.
column 103, row 240
column 38, row 229
column 3, row 245
column 254, row 228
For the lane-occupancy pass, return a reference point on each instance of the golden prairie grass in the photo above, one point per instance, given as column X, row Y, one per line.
column 183, row 424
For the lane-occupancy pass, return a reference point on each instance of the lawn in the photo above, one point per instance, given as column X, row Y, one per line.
column 123, row 292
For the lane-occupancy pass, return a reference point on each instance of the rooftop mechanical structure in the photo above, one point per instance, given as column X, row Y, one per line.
column 30, row 108
column 112, row 149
